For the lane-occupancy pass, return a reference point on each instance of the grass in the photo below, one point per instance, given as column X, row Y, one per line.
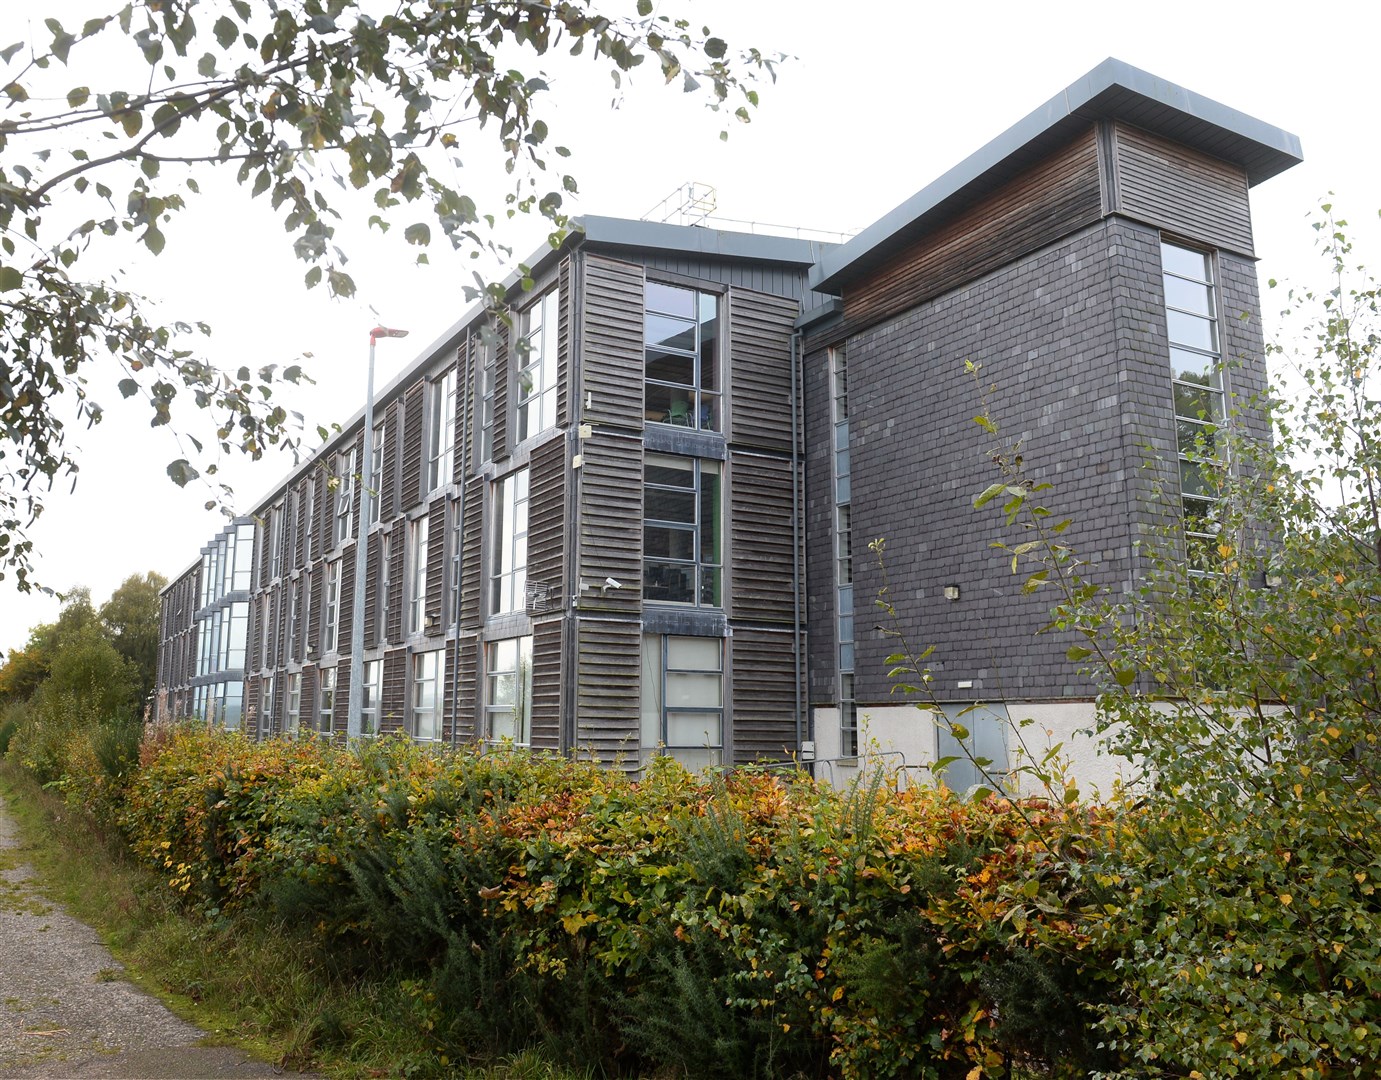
column 264, row 988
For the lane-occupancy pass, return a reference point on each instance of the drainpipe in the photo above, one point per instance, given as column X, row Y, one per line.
column 797, row 569
column 467, row 403
column 571, row 586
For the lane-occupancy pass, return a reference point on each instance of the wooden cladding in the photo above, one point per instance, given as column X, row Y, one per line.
column 393, row 698
column 1051, row 199
column 471, row 586
column 393, row 628
column 414, row 420
column 563, row 344
column 611, row 534
column 436, row 564
column 608, row 724
column 1184, row 191
column 546, row 538
column 465, row 686
column 345, row 616
column 760, row 407
column 499, row 416
column 760, row 556
column 763, row 693
column 388, row 493
column 546, row 684
column 612, row 343
column 373, row 568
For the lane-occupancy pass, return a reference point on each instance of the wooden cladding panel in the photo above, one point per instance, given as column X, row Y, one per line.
column 436, row 563
column 760, row 328
column 611, row 513
column 760, row 556
column 306, row 703
column 1053, row 198
column 275, row 616
column 1171, row 186
column 372, row 569
column 612, row 343
column 388, row 493
column 546, row 684
column 317, row 593
column 393, row 697
column 345, row 617
column 471, row 585
column 503, row 375
column 249, row 723
column 358, row 487
column 465, row 677
column 546, row 564
column 304, row 615
column 461, row 456
column 563, row 345
column 340, row 712
column 413, row 422
column 299, row 504
column 261, row 545
column 762, row 695
column 280, row 704
column 324, row 518
column 393, row 631
column 608, row 723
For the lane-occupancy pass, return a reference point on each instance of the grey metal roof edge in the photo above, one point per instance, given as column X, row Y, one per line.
column 1078, row 99
column 701, row 240
column 830, row 309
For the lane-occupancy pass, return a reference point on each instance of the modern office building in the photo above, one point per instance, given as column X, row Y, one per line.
column 635, row 518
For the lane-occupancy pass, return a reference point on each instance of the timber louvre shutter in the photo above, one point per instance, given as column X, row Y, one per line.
column 760, row 555
column 394, row 696
column 762, row 695
column 436, row 566
column 759, row 348
column 608, row 709
column 413, row 422
column 545, row 732
column 612, row 343
column 546, row 564
column 388, row 485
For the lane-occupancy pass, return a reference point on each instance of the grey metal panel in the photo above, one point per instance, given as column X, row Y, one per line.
column 612, row 336
column 610, row 527
column 759, row 371
column 762, row 694
column 759, row 553
column 1171, row 186
column 1111, row 90
column 608, row 684
column 546, row 683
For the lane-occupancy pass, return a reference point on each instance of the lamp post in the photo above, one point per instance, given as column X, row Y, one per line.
column 352, row 722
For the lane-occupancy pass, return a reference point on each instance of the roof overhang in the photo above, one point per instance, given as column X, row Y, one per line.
column 1112, row 90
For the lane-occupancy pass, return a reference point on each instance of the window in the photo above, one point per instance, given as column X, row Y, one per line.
column 385, row 582
column 537, row 371
column 681, row 328
column 417, row 564
column 244, row 557
column 487, row 371
column 369, row 697
column 441, row 429
column 294, row 702
column 276, row 541
column 509, row 577
column 985, row 728
column 1196, row 379
column 345, row 494
column 232, row 705
column 427, row 668
column 266, row 694
column 843, row 550
column 237, row 637
column 331, row 620
column 681, row 530
column 376, row 472
column 326, row 699
column 508, row 689
column 683, row 698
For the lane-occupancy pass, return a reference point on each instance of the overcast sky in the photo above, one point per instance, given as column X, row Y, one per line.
column 867, row 112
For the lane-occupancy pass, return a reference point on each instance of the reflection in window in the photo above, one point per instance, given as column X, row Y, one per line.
column 508, row 689
column 370, row 686
column 441, row 429
column 682, row 527
column 509, row 580
column 683, row 698
column 326, row 699
column 537, row 366
column 426, row 694
column 681, row 331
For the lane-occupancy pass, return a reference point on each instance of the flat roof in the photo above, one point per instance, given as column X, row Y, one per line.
column 1112, row 90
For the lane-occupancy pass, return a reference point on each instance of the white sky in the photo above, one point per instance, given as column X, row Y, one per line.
column 870, row 110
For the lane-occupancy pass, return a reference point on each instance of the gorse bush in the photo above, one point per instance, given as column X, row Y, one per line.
column 741, row 925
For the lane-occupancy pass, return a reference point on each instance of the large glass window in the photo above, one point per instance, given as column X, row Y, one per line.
column 441, row 429
column 682, row 528
column 371, row 686
column 417, row 564
column 244, row 557
column 508, row 689
column 509, row 578
column 326, row 698
column 427, row 668
column 681, row 327
column 292, row 720
column 537, row 366
column 331, row 616
column 345, row 494
column 1196, row 376
column 683, row 698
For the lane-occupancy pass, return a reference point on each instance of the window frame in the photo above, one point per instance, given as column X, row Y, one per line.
column 345, row 496
column 508, row 570
column 330, row 631
column 520, row 708
column 376, row 471
column 537, row 371
column 422, row 679
column 292, row 718
column 419, row 533
column 371, row 689
column 326, row 699
column 656, row 710
column 706, row 572
column 704, row 410
column 441, row 428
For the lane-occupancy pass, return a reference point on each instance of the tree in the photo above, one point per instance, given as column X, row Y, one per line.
column 293, row 97
column 1242, row 894
column 130, row 618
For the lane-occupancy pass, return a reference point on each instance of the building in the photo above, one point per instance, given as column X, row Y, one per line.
column 627, row 523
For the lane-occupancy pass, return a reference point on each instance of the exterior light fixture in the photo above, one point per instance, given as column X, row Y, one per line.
column 951, row 592
column 352, row 721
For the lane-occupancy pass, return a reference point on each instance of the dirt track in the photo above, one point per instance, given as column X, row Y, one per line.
column 65, row 1008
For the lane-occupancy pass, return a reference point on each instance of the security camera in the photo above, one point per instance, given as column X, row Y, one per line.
column 613, row 583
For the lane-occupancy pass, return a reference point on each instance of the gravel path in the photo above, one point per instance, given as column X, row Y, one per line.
column 65, row 1009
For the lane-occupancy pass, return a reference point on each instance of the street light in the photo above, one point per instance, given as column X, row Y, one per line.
column 352, row 722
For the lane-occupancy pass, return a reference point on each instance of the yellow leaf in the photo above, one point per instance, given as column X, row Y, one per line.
column 838, row 993
column 1285, row 898
column 975, row 1073
column 1240, row 1038
column 1333, row 733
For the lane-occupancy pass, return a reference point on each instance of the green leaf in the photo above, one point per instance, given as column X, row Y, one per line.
column 644, row 7
column 206, row 66
column 1077, row 652
column 226, row 31
column 78, row 96
column 715, row 48
column 420, row 233
column 10, row 278
column 1125, row 676
column 181, row 471
column 991, row 492
column 154, row 239
column 129, row 387
column 958, row 730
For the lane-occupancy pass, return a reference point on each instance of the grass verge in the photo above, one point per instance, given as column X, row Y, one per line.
column 265, row 988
